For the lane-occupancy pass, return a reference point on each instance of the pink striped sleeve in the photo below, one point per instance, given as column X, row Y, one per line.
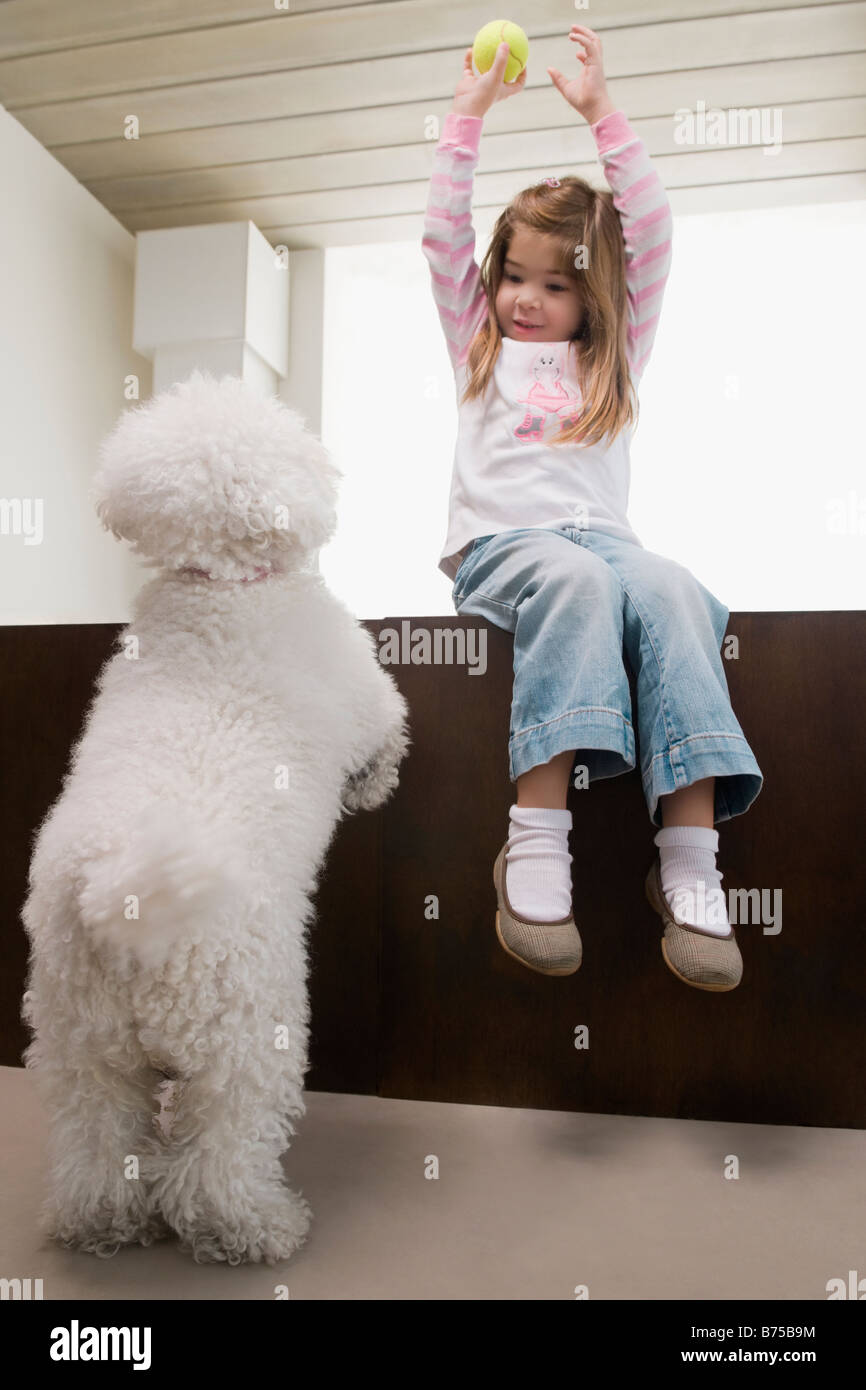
column 645, row 214
column 449, row 238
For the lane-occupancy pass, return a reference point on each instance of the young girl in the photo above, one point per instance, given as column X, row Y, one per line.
column 548, row 340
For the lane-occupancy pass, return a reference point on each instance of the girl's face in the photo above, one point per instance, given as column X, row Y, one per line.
column 534, row 302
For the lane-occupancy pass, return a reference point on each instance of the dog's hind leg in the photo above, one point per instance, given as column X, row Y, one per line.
column 219, row 1183
column 101, row 1137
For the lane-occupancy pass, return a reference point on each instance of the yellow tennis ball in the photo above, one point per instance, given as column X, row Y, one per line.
column 488, row 39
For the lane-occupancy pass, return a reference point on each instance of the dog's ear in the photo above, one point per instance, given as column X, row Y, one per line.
column 216, row 474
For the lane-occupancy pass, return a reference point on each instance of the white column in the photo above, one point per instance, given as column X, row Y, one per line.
column 303, row 386
column 214, row 297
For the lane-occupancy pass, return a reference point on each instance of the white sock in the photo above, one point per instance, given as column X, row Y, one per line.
column 538, row 864
column 690, row 880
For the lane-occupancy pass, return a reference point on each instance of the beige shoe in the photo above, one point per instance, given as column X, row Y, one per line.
column 695, row 957
column 551, row 948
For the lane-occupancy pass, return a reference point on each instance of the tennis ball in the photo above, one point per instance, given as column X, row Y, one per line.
column 488, row 39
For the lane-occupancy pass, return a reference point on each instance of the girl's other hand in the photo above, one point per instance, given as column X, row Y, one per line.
column 474, row 95
column 587, row 92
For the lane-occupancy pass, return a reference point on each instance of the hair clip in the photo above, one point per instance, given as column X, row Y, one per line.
column 554, row 183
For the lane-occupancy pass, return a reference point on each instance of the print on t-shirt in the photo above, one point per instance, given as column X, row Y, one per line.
column 545, row 396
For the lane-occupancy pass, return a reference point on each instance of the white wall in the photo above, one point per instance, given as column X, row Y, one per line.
column 66, row 289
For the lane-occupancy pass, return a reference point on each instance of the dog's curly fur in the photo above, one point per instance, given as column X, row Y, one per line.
column 170, row 884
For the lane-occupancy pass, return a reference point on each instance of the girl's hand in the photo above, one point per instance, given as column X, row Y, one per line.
column 474, row 95
column 587, row 92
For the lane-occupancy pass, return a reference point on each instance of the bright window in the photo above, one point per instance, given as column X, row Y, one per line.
column 747, row 465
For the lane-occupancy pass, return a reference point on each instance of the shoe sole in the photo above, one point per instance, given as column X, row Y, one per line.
column 655, row 903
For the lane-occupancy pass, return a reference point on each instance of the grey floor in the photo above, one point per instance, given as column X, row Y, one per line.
column 528, row 1204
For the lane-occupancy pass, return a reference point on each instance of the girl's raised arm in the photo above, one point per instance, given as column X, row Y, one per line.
column 449, row 237
column 645, row 214
column 448, row 242
column 638, row 192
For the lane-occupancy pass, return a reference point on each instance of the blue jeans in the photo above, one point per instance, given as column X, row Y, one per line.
column 576, row 600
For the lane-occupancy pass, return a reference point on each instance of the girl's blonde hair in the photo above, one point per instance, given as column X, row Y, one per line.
column 576, row 215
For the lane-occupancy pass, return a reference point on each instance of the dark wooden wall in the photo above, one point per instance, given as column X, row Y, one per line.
column 406, row 1005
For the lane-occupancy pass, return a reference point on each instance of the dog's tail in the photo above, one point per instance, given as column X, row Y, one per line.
column 170, row 881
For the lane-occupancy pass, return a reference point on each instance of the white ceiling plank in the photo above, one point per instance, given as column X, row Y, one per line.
column 40, row 26
column 336, row 56
column 562, row 146
column 269, row 97
column 825, row 188
column 373, row 128
column 710, row 166
column 800, row 192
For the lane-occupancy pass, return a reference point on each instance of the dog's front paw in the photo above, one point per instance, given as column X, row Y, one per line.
column 370, row 788
column 373, row 784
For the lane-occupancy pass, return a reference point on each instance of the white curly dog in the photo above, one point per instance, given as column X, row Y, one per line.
column 243, row 712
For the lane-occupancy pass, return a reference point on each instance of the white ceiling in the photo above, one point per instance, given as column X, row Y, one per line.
column 313, row 121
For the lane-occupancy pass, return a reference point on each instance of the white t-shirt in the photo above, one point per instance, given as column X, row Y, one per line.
column 507, row 475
